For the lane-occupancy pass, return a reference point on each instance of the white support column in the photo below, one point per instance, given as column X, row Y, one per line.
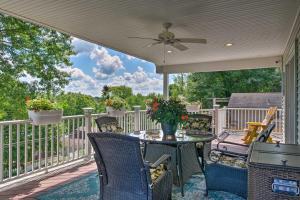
column 88, row 128
column 166, row 85
column 137, row 118
column 216, row 118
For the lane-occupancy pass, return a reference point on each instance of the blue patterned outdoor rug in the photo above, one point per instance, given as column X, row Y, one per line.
column 87, row 188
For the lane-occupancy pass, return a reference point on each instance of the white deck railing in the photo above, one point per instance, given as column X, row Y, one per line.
column 26, row 149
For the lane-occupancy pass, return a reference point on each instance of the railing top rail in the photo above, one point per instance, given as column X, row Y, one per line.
column 72, row 117
column 14, row 122
column 279, row 109
column 29, row 121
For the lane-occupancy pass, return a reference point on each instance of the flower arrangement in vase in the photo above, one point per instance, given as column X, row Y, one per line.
column 170, row 113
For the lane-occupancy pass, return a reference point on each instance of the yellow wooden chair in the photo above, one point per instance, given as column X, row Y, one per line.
column 256, row 127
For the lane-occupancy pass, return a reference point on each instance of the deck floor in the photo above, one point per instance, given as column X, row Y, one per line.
column 30, row 190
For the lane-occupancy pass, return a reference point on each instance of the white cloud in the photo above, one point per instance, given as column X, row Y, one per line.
column 104, row 72
column 82, row 47
column 140, row 81
column 106, row 64
column 129, row 57
column 83, row 83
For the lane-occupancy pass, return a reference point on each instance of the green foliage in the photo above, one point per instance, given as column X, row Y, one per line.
column 116, row 102
column 29, row 50
column 179, row 86
column 120, row 91
column 206, row 85
column 41, row 104
column 167, row 111
column 73, row 103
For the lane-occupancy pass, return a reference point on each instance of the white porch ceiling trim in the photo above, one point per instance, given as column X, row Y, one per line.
column 256, row 27
column 252, row 63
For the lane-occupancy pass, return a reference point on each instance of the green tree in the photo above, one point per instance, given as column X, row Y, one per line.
column 28, row 50
column 73, row 103
column 179, row 85
column 207, row 85
column 120, row 91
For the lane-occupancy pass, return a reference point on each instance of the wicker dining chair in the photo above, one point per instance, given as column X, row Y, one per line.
column 198, row 124
column 124, row 174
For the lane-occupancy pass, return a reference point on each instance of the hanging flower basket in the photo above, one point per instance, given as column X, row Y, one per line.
column 115, row 113
column 115, row 106
column 43, row 117
column 42, row 111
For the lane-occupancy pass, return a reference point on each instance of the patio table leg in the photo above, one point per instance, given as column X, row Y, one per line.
column 179, row 151
column 202, row 157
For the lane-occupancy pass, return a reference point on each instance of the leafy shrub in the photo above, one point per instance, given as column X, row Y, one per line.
column 41, row 104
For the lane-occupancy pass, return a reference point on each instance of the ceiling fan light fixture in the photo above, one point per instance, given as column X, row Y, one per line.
column 228, row 44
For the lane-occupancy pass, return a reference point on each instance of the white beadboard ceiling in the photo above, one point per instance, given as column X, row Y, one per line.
column 257, row 28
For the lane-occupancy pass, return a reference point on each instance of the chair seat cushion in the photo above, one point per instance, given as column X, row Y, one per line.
column 233, row 161
column 199, row 145
column 157, row 172
column 112, row 127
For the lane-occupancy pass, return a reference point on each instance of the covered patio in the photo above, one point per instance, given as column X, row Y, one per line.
column 234, row 35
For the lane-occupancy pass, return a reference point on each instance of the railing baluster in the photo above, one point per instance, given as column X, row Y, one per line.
column 57, row 144
column 83, row 137
column 73, row 140
column 1, row 153
column 25, row 147
column 78, row 137
column 32, row 148
column 18, row 149
column 68, row 158
column 52, row 144
column 10, row 151
column 46, row 146
column 63, row 141
column 40, row 146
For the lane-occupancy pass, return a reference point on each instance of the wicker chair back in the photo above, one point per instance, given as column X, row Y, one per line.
column 120, row 166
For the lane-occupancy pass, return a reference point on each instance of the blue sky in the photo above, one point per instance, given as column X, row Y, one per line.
column 95, row 66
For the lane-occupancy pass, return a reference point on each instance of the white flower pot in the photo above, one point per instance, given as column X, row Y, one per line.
column 44, row 117
column 193, row 108
column 115, row 113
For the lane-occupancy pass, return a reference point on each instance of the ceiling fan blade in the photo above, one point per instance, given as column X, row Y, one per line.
column 154, row 43
column 144, row 38
column 179, row 46
column 192, row 40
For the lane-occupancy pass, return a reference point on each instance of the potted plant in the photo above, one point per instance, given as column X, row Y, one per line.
column 115, row 106
column 42, row 111
column 170, row 113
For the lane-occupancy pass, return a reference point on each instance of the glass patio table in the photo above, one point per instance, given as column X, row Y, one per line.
column 180, row 146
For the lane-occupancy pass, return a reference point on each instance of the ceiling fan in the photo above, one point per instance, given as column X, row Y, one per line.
column 168, row 38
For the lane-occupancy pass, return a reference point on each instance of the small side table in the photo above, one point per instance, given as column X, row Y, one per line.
column 274, row 171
